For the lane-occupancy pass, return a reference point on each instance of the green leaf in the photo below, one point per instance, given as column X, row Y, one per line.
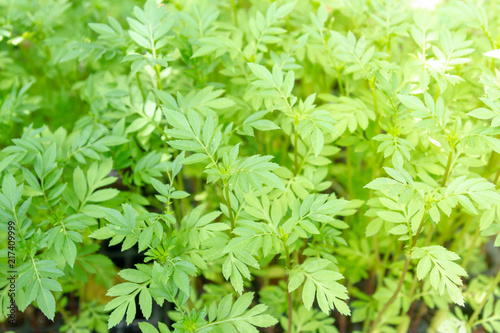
column 79, row 184
column 146, row 303
column 125, row 293
column 321, row 283
column 238, row 316
column 445, row 274
column 317, row 141
column 39, row 277
column 147, row 327
column 261, row 72
column 46, row 302
column 103, row 195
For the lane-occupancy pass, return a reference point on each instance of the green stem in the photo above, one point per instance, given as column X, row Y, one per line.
column 349, row 172
column 46, row 198
column 284, row 150
column 377, row 263
column 175, row 203
column 401, row 280
column 415, row 285
column 462, row 232
column 493, row 47
column 384, row 263
column 158, row 78
column 180, row 185
column 375, row 104
column 304, row 160
column 446, row 231
column 490, row 291
column 489, row 37
column 229, row 208
column 235, row 13
column 288, row 294
column 295, row 148
column 471, row 247
column 491, row 163
column 139, row 84
column 448, row 166
column 389, row 46
column 156, row 67
column 497, row 176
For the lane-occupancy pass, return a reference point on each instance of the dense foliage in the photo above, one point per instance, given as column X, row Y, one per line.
column 299, row 166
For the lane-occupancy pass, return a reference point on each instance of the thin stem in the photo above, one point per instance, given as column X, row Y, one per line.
column 18, row 225
column 180, row 185
column 446, row 231
column 462, row 232
column 397, row 251
column 229, row 208
column 139, row 84
column 226, row 190
column 284, row 150
column 471, row 247
column 177, row 211
column 304, row 160
column 413, row 289
column 178, row 306
column 156, row 67
column 489, row 37
column 158, row 78
column 337, row 69
column 288, row 294
column 491, row 163
column 492, row 46
column 235, row 12
column 46, row 198
column 376, row 250
column 389, row 45
column 175, row 203
column 416, row 285
column 384, row 264
column 401, row 280
column 448, row 166
column 295, row 148
column 490, row 291
column 497, row 176
column 341, row 85
column 394, row 296
column 375, row 104
column 349, row 172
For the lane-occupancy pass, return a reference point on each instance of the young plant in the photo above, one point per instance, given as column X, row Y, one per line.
column 296, row 166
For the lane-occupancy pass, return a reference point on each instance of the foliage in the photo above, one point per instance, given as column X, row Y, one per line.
column 306, row 166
